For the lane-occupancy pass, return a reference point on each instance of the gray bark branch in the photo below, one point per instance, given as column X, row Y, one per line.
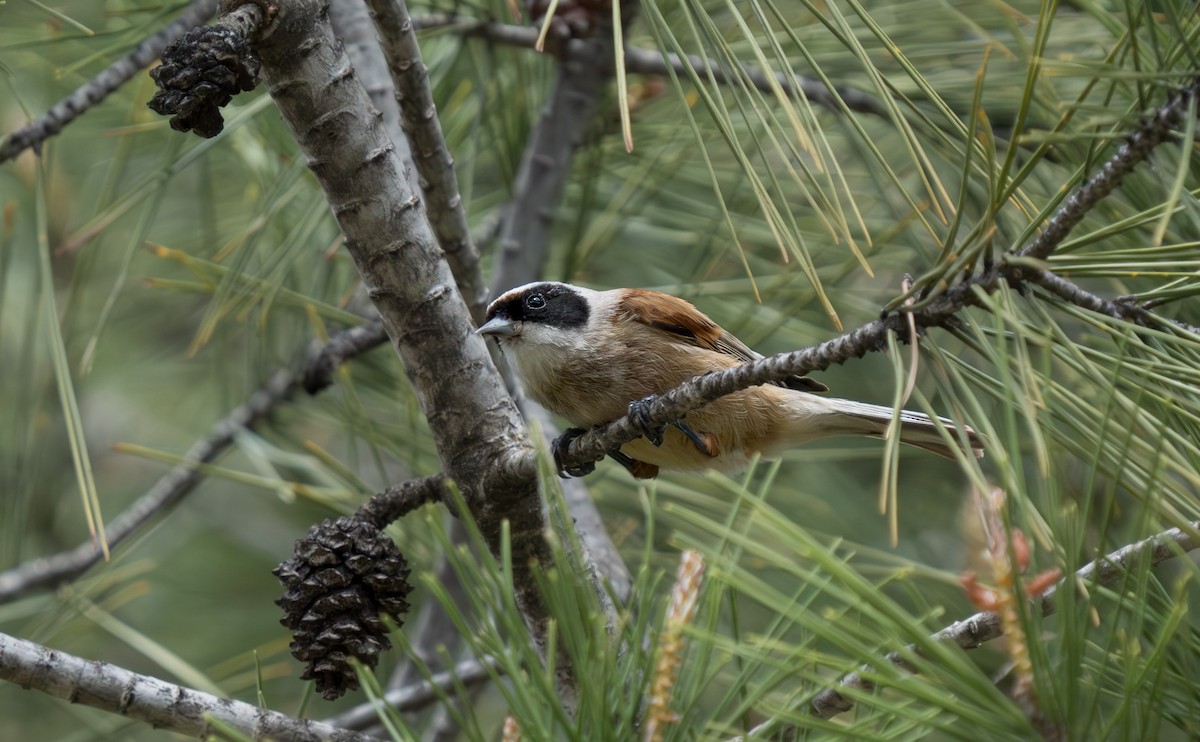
column 435, row 165
column 352, row 24
column 150, row 700
column 49, row 572
column 546, row 162
column 416, row 696
column 473, row 420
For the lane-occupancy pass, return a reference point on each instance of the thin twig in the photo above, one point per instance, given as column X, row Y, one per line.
column 172, row 487
column 432, row 635
column 168, row 491
column 1134, row 150
column 653, row 62
column 158, row 703
column 395, row 502
column 466, row 674
column 347, row 344
column 986, row 626
column 102, row 85
column 1120, row 308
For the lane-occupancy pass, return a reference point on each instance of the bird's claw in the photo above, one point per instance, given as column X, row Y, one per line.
column 639, row 412
column 558, row 449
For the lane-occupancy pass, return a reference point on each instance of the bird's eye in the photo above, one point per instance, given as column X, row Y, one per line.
column 535, row 301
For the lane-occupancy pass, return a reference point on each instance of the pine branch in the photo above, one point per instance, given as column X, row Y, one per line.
column 347, row 344
column 448, row 217
column 353, row 25
column 1120, row 308
column 1135, row 149
column 473, row 420
column 419, row 695
column 654, row 62
column 150, row 700
column 102, row 85
column 394, row 502
column 985, row 626
column 443, row 202
column 541, row 177
column 49, row 572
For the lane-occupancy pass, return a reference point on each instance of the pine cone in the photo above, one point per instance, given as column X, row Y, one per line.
column 344, row 575
column 199, row 74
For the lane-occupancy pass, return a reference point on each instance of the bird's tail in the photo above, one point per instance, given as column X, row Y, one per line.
column 821, row 416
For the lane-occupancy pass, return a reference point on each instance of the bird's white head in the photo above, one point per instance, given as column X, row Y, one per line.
column 545, row 313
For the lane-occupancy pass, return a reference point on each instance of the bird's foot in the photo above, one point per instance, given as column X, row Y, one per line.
column 558, row 449
column 639, row 412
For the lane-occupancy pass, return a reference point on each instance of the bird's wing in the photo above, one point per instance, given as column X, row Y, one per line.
column 686, row 324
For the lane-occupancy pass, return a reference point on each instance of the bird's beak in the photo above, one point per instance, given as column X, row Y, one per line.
column 501, row 327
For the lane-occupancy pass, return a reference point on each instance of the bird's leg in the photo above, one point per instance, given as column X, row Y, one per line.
column 558, row 449
column 639, row 469
column 705, row 443
column 626, row 461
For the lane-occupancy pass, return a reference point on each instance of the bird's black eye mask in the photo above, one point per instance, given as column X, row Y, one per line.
column 549, row 304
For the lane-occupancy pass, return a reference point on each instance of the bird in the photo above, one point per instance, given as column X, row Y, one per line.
column 594, row 356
